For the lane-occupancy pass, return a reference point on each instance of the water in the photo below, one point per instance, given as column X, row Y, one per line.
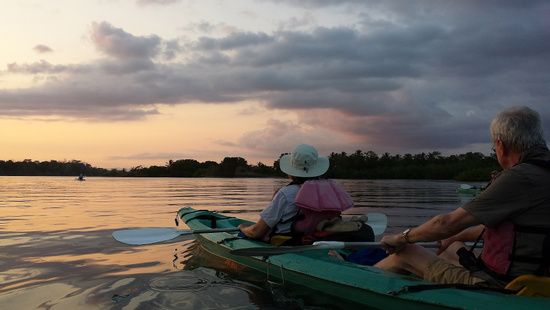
column 56, row 249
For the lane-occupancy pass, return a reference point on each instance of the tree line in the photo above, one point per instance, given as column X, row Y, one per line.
column 472, row 166
column 29, row 167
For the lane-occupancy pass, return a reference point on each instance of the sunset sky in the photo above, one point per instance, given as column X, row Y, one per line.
column 122, row 83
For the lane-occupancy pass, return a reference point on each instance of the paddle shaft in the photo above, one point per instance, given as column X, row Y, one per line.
column 352, row 244
column 319, row 245
column 347, row 244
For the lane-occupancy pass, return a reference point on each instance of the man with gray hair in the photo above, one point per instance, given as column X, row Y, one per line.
column 512, row 216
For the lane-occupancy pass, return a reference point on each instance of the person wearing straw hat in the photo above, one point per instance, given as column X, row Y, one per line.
column 324, row 198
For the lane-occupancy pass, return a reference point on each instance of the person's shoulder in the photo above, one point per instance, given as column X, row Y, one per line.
column 527, row 171
column 286, row 191
column 290, row 189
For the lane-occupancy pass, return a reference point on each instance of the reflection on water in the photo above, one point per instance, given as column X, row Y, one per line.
column 58, row 253
column 268, row 292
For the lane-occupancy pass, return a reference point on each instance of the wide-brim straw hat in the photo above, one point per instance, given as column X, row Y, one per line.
column 304, row 162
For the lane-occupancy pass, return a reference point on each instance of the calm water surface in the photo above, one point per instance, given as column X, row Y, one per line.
column 57, row 251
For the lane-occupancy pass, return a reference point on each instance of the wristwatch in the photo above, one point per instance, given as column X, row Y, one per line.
column 406, row 235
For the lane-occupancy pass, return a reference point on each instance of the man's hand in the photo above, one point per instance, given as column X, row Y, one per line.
column 394, row 243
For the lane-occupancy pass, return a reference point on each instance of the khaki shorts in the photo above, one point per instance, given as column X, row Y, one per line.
column 443, row 272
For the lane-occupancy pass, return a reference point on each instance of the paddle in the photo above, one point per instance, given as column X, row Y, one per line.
column 465, row 186
column 319, row 245
column 142, row 236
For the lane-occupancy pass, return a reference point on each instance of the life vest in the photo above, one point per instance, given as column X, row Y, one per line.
column 499, row 248
column 318, row 200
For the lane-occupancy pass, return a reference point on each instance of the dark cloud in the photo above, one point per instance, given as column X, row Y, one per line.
column 171, row 49
column 234, row 41
column 41, row 49
column 117, row 43
column 126, row 66
column 423, row 74
column 36, row 68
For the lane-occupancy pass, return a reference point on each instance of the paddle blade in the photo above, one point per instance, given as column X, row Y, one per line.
column 143, row 236
column 465, row 186
column 148, row 235
column 378, row 222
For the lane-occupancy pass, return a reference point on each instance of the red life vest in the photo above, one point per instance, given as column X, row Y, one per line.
column 319, row 200
column 498, row 246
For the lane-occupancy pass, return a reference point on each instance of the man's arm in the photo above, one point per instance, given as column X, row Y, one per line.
column 464, row 236
column 438, row 228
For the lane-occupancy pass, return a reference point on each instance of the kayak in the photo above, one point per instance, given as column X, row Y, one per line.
column 468, row 190
column 358, row 284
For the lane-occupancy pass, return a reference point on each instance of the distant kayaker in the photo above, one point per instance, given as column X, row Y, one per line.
column 297, row 208
column 494, row 174
column 512, row 217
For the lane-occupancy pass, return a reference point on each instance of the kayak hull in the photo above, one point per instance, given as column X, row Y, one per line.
column 469, row 191
column 364, row 285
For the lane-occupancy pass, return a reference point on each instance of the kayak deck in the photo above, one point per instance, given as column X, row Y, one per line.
column 360, row 284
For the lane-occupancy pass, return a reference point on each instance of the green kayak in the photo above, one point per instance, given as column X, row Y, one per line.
column 360, row 284
column 468, row 191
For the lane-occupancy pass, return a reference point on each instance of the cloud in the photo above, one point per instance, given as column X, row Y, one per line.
column 36, row 68
column 117, row 43
column 146, row 156
column 278, row 137
column 420, row 75
column 41, row 49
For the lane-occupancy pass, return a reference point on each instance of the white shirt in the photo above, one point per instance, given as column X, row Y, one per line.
column 281, row 208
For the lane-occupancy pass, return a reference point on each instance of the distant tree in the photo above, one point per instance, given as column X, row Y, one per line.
column 29, row 167
column 183, row 168
column 230, row 166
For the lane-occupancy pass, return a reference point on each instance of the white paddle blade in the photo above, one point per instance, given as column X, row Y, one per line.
column 146, row 235
column 378, row 222
column 465, row 186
